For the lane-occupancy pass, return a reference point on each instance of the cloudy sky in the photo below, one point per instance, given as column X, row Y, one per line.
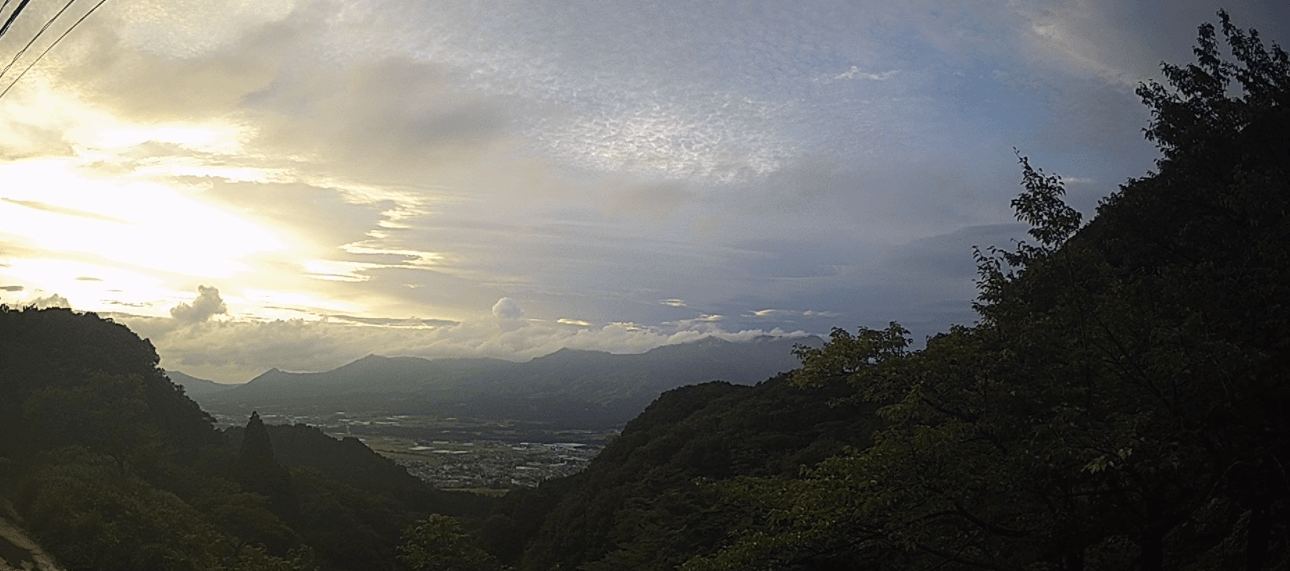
column 298, row 183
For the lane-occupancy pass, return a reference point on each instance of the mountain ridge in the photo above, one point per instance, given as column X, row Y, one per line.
column 613, row 386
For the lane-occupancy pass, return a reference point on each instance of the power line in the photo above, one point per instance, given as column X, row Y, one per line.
column 34, row 38
column 51, row 46
column 13, row 16
column 2, row 7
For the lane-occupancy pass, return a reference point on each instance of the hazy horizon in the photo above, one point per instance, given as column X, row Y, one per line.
column 169, row 371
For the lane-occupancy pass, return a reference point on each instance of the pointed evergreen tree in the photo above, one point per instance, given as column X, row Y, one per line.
column 259, row 472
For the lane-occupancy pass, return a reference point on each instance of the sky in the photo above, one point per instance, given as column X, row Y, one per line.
column 298, row 183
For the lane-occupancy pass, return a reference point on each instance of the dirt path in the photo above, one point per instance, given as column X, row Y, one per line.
column 19, row 553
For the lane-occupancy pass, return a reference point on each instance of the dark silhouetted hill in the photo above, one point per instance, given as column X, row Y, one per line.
column 109, row 465
column 641, row 504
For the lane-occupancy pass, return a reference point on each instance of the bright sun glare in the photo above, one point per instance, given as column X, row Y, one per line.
column 92, row 225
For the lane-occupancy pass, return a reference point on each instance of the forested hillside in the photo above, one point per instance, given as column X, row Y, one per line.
column 1123, row 401
column 110, row 466
column 644, row 503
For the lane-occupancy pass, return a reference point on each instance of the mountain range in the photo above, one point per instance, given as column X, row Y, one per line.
column 195, row 386
column 571, row 388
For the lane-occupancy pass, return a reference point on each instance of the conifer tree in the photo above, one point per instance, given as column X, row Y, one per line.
column 259, row 472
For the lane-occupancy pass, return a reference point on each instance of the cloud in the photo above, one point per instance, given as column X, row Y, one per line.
column 665, row 166
column 855, row 72
column 129, row 304
column 315, row 88
column 1077, row 180
column 1090, row 38
column 65, row 211
column 507, row 309
column 383, row 119
column 790, row 315
column 11, row 288
column 236, row 351
column 811, row 314
column 396, row 322
column 52, row 300
column 651, row 201
column 206, row 305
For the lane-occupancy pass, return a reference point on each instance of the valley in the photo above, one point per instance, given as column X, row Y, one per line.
column 449, row 453
column 487, row 424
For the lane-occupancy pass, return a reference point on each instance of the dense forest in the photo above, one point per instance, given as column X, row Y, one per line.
column 1121, row 402
column 111, row 466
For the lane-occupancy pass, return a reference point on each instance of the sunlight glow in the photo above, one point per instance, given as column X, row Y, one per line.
column 92, row 287
column 272, row 304
column 222, row 139
column 337, row 271
column 197, row 169
column 53, row 205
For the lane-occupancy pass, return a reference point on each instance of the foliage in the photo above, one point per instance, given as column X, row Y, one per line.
column 101, row 518
column 645, row 501
column 438, row 543
column 110, row 466
column 248, row 521
column 259, row 472
column 1123, row 399
column 57, row 351
column 348, row 461
column 106, row 413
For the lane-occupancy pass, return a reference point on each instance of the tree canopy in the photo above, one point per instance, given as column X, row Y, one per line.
column 109, row 465
column 1122, row 400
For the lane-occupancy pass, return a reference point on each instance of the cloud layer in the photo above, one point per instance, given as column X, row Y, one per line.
column 508, row 178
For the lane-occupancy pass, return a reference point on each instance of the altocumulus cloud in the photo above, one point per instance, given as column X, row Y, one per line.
column 665, row 166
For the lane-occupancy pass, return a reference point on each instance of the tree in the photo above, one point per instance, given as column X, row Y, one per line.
column 1123, row 399
column 438, row 543
column 92, row 516
column 259, row 472
column 247, row 520
column 107, row 413
column 79, row 356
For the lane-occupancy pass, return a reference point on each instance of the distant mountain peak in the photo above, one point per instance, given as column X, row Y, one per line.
column 578, row 387
column 566, row 353
column 193, row 385
column 273, row 373
column 370, row 359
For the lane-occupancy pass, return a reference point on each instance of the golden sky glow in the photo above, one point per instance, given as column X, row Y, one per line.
column 508, row 178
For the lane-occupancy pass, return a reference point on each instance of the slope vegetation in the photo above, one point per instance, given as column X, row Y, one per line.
column 109, row 465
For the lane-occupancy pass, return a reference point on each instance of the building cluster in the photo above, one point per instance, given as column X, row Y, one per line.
column 498, row 466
